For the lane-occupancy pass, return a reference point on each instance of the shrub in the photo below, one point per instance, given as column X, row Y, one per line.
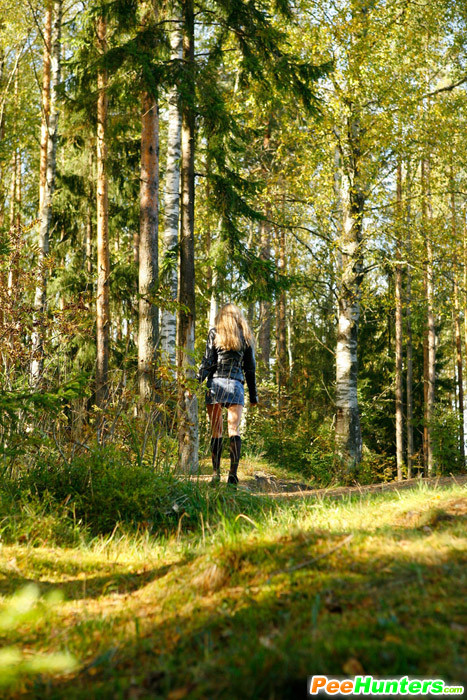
column 103, row 488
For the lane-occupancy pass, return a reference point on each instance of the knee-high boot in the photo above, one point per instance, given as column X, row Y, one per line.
column 216, row 454
column 235, row 451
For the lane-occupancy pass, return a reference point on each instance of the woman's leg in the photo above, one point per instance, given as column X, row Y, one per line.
column 215, row 418
column 234, row 416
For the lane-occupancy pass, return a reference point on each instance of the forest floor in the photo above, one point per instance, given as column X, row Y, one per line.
column 280, row 483
column 367, row 583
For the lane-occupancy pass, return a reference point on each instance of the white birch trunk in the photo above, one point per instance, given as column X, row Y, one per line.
column 347, row 429
column 102, row 210
column 172, row 204
column 214, row 301
column 398, row 331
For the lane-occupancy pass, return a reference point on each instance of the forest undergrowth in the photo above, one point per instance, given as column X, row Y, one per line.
column 240, row 597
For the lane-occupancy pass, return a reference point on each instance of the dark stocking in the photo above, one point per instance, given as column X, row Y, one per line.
column 235, row 450
column 216, row 453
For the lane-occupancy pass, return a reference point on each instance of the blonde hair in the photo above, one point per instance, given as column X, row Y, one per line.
column 232, row 329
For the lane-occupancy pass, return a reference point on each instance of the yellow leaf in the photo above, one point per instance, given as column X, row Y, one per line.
column 353, row 667
column 179, row 693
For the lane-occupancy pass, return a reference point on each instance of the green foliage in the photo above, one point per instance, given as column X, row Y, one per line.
column 21, row 413
column 292, row 438
column 445, row 439
column 36, row 519
column 26, row 606
column 102, row 488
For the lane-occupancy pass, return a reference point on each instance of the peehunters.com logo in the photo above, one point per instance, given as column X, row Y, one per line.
column 367, row 685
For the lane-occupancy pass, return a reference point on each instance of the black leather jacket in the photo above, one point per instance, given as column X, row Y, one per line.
column 234, row 364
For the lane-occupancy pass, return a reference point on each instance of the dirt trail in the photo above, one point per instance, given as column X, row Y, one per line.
column 262, row 484
column 339, row 492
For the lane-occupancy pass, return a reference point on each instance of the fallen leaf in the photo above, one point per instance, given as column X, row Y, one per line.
column 392, row 638
column 179, row 693
column 353, row 667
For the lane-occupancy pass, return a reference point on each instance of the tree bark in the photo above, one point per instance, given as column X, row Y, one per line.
column 214, row 301
column 409, row 343
column 464, row 240
column 172, row 204
column 398, row 331
column 52, row 66
column 264, row 334
column 350, row 266
column 103, row 259
column 15, row 194
column 45, row 102
column 2, row 136
column 281, row 341
column 187, row 400
column 148, row 246
column 430, row 355
column 89, row 211
column 457, row 324
column 13, row 271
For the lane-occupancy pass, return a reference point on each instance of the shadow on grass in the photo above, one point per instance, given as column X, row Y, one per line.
column 89, row 587
column 260, row 634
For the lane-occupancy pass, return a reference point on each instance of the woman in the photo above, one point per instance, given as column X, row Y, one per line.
column 228, row 361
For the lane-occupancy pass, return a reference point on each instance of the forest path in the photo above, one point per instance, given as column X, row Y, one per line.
column 263, row 484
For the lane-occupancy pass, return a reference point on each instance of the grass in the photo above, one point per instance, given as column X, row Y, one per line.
column 250, row 465
column 231, row 611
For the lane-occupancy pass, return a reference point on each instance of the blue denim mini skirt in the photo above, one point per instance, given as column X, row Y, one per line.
column 225, row 391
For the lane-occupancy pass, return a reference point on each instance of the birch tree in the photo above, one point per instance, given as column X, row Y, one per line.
column 102, row 202
column 172, row 200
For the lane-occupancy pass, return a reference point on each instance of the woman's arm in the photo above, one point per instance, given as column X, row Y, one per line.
column 249, row 368
column 209, row 361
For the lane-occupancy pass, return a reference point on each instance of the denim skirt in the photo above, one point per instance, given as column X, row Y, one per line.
column 225, row 391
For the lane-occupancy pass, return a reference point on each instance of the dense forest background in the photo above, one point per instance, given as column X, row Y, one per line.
column 305, row 160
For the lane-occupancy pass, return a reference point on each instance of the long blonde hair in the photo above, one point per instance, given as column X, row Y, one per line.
column 232, row 328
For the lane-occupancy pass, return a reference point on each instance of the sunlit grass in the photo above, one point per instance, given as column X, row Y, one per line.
column 249, row 606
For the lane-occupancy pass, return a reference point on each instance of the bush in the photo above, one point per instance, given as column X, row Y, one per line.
column 445, row 431
column 55, row 502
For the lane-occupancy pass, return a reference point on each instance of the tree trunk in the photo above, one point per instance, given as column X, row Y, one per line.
column 89, row 222
column 45, row 102
column 409, row 343
column 351, row 200
column 281, row 342
column 457, row 324
column 214, row 301
column 103, row 260
column 2, row 136
column 172, row 204
column 430, row 372
column 398, row 331
column 47, row 178
column 464, row 237
column 148, row 246
column 13, row 271
column 187, row 400
column 264, row 335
